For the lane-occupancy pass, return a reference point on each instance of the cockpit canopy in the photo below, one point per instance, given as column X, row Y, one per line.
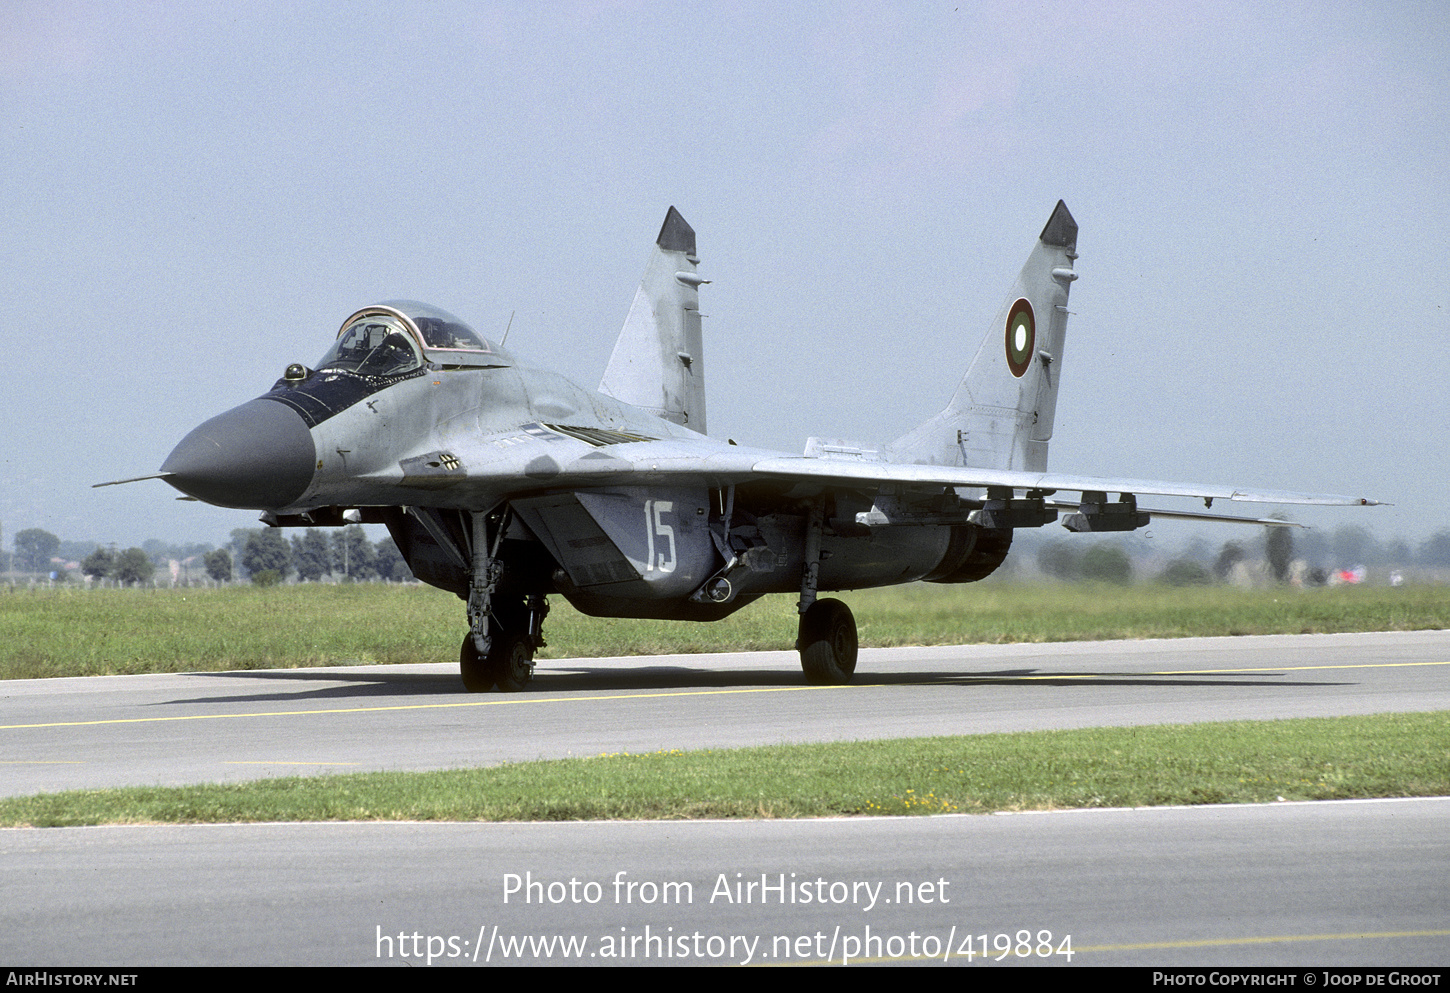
column 397, row 337
column 373, row 345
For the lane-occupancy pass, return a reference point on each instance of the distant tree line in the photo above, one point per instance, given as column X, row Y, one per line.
column 34, row 549
column 344, row 553
column 1281, row 553
column 269, row 555
column 129, row 568
column 1098, row 562
column 262, row 554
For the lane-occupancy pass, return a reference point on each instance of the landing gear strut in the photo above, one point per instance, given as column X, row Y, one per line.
column 504, row 630
column 515, row 632
column 827, row 633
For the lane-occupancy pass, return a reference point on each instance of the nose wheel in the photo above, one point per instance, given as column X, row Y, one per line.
column 827, row 643
column 509, row 664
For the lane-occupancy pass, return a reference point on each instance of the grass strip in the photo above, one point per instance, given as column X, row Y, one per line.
column 1236, row 762
column 74, row 632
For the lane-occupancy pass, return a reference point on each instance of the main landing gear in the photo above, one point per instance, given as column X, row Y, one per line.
column 826, row 637
column 827, row 643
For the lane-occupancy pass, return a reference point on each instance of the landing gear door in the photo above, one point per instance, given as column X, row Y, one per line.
column 628, row 542
column 664, row 533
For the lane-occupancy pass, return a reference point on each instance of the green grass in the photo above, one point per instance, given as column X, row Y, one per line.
column 1237, row 762
column 73, row 632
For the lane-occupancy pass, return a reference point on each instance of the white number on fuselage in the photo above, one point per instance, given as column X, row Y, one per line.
column 654, row 525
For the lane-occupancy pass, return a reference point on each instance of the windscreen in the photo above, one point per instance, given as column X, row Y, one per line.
column 375, row 345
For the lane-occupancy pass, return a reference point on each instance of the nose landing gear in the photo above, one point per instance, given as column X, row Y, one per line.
column 505, row 628
column 509, row 664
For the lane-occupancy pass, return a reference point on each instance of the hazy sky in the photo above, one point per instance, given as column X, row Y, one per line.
column 196, row 194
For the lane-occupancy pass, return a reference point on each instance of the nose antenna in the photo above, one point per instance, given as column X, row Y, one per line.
column 133, row 479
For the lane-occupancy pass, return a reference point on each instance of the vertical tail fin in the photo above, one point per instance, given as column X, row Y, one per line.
column 1001, row 415
column 658, row 361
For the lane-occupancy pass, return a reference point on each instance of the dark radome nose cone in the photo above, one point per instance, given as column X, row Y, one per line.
column 258, row 456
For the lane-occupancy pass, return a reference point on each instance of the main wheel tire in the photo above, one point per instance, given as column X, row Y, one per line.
column 828, row 643
column 511, row 661
column 478, row 677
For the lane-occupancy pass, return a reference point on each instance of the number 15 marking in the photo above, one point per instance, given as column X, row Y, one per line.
column 655, row 525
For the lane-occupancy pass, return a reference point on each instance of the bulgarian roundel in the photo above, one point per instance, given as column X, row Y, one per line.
column 1021, row 337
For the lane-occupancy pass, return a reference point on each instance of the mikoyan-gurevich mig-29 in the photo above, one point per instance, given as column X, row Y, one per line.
column 504, row 482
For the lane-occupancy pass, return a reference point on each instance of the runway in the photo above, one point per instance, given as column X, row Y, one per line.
column 1287, row 884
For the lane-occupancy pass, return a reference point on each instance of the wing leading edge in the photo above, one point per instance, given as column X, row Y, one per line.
column 1042, row 482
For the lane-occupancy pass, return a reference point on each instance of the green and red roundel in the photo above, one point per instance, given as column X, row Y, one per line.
column 1021, row 337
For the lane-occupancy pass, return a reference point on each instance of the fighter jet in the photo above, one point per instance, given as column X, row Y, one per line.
column 505, row 483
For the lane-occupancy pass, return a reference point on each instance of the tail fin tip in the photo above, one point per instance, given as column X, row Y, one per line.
column 1060, row 230
column 676, row 235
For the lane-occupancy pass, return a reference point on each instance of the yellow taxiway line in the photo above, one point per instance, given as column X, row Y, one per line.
column 515, row 700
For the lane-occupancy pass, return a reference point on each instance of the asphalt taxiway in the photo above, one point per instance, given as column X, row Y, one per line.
column 1307, row 884
column 175, row 729
column 1326, row 884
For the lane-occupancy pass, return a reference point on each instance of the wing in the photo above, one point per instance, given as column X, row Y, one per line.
column 542, row 457
column 997, row 503
column 1042, row 482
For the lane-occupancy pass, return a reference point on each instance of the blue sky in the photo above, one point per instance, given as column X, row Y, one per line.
column 195, row 195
